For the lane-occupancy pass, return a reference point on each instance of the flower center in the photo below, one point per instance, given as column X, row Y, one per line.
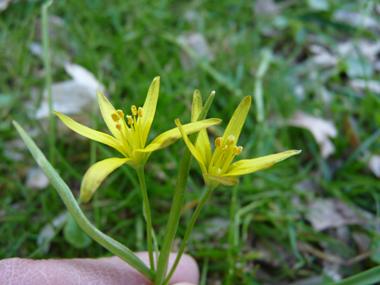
column 130, row 130
column 223, row 155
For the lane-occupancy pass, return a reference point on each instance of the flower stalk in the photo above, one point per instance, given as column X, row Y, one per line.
column 148, row 216
column 179, row 194
column 194, row 217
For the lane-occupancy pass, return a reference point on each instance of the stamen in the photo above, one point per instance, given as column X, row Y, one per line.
column 134, row 110
column 130, row 120
column 224, row 149
column 237, row 150
column 230, row 140
column 218, row 142
column 121, row 114
column 140, row 112
column 115, row 117
column 118, row 126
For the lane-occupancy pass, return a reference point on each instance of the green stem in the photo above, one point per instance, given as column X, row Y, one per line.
column 48, row 76
column 231, row 248
column 148, row 217
column 201, row 203
column 71, row 204
column 178, row 199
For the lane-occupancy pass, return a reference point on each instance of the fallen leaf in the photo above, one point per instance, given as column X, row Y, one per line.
column 332, row 270
column 215, row 228
column 376, row 65
column 326, row 95
column 320, row 128
column 357, row 67
column 197, row 42
column 332, row 213
column 193, row 16
column 72, row 97
column 374, row 165
column 361, row 85
column 299, row 91
column 320, row 5
column 36, row 179
column 322, row 57
column 4, row 4
column 47, row 232
column 268, row 7
column 356, row 19
column 366, row 48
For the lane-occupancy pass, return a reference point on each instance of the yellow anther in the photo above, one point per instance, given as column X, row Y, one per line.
column 121, row 114
column 235, row 150
column 118, row 126
column 240, row 149
column 134, row 110
column 230, row 140
column 218, row 142
column 224, row 149
column 139, row 112
column 115, row 117
column 130, row 120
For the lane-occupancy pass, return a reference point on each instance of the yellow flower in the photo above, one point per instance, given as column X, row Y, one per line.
column 217, row 168
column 130, row 134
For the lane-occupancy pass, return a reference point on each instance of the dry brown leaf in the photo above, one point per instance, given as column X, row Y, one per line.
column 321, row 129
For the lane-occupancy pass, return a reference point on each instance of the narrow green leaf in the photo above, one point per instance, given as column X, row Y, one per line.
column 68, row 199
column 371, row 276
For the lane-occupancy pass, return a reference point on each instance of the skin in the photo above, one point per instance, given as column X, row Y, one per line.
column 101, row 271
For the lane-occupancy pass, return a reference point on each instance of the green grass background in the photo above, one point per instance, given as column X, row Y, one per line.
column 125, row 44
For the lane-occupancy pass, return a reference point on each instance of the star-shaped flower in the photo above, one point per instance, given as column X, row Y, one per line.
column 217, row 168
column 130, row 134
